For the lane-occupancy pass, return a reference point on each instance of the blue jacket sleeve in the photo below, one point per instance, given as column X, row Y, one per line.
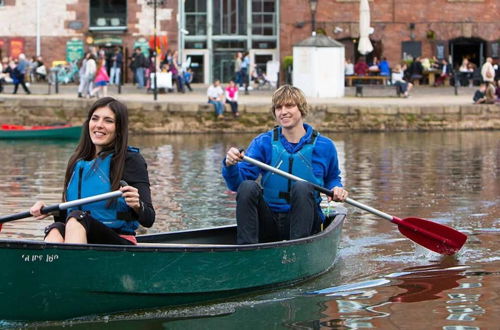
column 236, row 174
column 326, row 158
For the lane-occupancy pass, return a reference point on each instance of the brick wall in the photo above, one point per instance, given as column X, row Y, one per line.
column 18, row 19
column 449, row 19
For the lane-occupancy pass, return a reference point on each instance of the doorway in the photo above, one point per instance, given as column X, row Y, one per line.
column 351, row 50
column 470, row 48
column 198, row 67
column 198, row 62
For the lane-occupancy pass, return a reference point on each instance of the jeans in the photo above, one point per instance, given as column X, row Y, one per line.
column 234, row 106
column 88, row 85
column 114, row 78
column 218, row 106
column 139, row 76
column 401, row 86
column 256, row 222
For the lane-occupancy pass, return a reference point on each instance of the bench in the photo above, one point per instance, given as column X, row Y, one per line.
column 368, row 79
column 359, row 89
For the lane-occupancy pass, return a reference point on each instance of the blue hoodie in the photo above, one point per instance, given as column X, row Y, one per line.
column 324, row 158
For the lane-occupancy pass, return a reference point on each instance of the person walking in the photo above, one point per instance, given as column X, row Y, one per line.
column 488, row 72
column 188, row 78
column 101, row 80
column 89, row 72
column 81, row 73
column 99, row 163
column 279, row 209
column 20, row 74
column 245, row 67
column 116, row 67
column 139, row 63
column 237, row 69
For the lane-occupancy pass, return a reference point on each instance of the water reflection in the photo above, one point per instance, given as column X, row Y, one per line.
column 448, row 177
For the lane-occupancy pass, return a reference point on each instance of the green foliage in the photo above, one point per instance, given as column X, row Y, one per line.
column 321, row 31
column 287, row 61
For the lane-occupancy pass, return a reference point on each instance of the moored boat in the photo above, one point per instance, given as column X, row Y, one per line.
column 40, row 132
column 45, row 281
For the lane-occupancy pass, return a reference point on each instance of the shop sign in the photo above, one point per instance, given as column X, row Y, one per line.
column 75, row 25
column 108, row 41
column 143, row 44
column 74, row 50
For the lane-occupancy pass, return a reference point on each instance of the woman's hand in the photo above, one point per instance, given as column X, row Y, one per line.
column 36, row 210
column 339, row 194
column 131, row 196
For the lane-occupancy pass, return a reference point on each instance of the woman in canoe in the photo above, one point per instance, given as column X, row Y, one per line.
column 101, row 160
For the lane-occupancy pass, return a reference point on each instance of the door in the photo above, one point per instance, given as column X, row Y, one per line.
column 224, row 66
column 470, row 48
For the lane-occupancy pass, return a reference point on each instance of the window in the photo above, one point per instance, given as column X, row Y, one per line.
column 263, row 17
column 230, row 17
column 264, row 44
column 411, row 49
column 108, row 15
column 196, row 16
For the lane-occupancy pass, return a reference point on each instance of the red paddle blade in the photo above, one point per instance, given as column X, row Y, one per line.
column 434, row 236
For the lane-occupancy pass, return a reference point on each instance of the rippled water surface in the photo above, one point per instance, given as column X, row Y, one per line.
column 381, row 279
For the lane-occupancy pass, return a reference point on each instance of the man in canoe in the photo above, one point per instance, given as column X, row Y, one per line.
column 279, row 209
column 101, row 160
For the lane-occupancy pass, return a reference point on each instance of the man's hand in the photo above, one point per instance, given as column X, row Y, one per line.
column 339, row 194
column 233, row 156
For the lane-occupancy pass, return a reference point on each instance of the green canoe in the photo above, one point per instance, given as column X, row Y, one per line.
column 42, row 281
column 40, row 132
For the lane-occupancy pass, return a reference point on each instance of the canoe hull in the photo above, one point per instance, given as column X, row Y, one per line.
column 53, row 281
column 71, row 132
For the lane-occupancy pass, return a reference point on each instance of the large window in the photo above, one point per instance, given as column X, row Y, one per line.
column 108, row 15
column 196, row 16
column 263, row 17
column 230, row 17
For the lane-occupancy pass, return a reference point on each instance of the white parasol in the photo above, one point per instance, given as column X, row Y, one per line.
column 364, row 46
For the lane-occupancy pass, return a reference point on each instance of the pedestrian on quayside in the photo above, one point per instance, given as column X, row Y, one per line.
column 101, row 160
column 281, row 209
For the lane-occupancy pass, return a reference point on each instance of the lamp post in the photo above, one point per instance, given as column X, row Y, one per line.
column 155, row 3
column 313, row 4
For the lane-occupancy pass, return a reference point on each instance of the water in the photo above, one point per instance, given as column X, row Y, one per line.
column 381, row 279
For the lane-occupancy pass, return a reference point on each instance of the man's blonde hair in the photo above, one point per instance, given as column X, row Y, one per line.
column 290, row 95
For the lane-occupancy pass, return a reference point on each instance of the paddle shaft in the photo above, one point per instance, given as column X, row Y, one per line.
column 63, row 206
column 318, row 188
column 436, row 237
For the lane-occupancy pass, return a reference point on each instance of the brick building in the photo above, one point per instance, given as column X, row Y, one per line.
column 63, row 30
column 441, row 28
column 210, row 32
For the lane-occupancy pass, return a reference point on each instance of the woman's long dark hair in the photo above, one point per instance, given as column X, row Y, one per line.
column 86, row 149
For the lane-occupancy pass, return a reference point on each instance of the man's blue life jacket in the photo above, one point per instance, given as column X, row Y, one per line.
column 276, row 187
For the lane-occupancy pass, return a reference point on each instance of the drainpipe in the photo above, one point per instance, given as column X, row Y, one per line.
column 38, row 28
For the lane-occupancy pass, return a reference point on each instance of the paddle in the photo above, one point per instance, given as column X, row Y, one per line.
column 433, row 236
column 62, row 206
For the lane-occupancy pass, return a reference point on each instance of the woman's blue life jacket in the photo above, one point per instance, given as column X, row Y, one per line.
column 276, row 187
column 92, row 178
